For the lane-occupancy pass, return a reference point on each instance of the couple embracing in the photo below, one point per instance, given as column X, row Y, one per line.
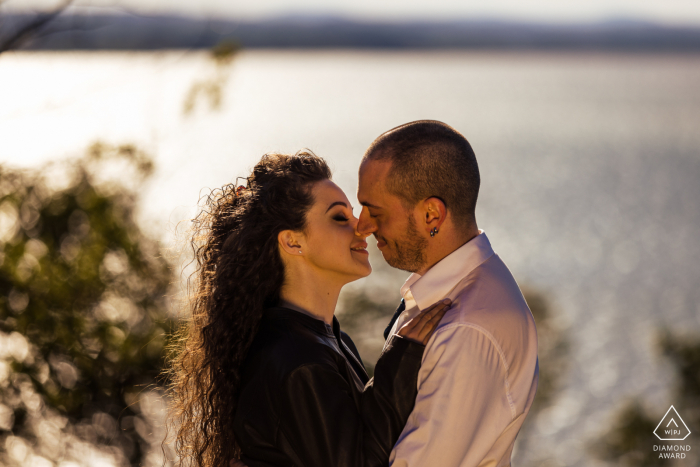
column 265, row 376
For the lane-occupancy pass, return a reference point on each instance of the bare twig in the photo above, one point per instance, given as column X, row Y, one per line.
column 29, row 30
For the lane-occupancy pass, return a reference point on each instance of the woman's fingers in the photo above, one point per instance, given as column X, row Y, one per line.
column 429, row 313
column 436, row 316
column 421, row 327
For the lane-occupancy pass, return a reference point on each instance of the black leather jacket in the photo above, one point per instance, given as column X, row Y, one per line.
column 306, row 400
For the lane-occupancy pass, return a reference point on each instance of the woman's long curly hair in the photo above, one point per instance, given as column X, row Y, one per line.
column 239, row 274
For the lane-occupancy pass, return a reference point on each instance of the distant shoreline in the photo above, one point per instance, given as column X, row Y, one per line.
column 131, row 32
column 611, row 54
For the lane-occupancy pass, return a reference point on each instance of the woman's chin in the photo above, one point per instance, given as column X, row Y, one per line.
column 367, row 269
column 360, row 271
column 365, row 266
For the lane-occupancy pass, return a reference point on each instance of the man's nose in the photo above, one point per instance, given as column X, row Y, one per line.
column 358, row 234
column 365, row 224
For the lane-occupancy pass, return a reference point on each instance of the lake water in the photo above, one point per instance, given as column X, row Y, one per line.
column 590, row 171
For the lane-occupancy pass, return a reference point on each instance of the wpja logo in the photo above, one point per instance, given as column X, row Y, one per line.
column 672, row 427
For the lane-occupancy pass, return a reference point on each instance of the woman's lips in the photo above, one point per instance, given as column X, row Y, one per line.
column 360, row 248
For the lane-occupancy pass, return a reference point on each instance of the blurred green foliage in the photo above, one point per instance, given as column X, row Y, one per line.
column 553, row 353
column 552, row 350
column 631, row 440
column 82, row 304
column 684, row 353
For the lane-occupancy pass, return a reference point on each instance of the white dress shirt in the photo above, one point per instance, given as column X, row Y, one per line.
column 479, row 372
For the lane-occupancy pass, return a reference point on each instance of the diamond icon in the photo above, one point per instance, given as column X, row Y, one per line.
column 672, row 427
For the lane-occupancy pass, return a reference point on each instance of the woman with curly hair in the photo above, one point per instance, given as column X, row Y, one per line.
column 263, row 373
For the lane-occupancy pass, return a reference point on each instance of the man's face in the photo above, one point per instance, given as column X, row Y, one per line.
column 385, row 216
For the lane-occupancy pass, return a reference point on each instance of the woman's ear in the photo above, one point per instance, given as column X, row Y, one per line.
column 291, row 242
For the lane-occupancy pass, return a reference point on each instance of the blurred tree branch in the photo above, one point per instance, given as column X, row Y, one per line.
column 33, row 27
column 212, row 88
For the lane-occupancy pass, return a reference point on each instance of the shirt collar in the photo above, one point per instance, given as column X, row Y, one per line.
column 448, row 272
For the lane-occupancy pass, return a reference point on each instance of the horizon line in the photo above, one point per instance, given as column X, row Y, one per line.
column 301, row 15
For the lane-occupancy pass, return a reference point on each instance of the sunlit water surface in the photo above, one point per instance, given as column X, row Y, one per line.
column 590, row 171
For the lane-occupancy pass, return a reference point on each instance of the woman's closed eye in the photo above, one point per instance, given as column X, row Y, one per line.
column 340, row 218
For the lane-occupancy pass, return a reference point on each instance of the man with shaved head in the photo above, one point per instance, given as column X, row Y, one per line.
column 418, row 188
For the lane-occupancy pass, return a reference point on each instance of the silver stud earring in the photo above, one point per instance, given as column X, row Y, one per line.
column 433, row 232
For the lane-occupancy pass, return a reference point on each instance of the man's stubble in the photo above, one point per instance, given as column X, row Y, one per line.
column 410, row 254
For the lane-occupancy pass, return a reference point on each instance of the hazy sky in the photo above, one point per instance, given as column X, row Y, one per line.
column 667, row 11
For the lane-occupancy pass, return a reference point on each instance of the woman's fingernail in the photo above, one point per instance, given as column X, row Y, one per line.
column 446, row 301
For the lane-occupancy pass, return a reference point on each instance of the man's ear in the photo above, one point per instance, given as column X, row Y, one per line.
column 290, row 242
column 435, row 213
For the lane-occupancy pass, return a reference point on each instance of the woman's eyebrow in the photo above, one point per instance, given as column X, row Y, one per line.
column 336, row 204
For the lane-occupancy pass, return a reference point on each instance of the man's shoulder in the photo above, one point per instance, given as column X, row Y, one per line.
column 489, row 300
column 490, row 313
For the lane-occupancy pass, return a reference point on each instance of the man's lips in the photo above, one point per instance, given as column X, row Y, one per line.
column 380, row 243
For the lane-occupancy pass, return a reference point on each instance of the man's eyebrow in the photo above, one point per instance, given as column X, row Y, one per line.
column 337, row 203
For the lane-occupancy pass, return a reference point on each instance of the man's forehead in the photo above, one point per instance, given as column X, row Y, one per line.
column 372, row 191
column 374, row 170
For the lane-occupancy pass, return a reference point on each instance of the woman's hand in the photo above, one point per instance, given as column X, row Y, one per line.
column 421, row 327
column 236, row 463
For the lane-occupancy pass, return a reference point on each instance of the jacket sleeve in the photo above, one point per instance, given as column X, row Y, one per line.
column 327, row 423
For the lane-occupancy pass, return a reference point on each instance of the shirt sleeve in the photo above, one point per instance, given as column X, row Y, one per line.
column 463, row 402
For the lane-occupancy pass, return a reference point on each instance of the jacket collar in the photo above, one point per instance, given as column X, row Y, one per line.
column 316, row 325
column 444, row 276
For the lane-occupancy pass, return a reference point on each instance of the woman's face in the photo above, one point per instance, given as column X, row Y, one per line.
column 331, row 241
